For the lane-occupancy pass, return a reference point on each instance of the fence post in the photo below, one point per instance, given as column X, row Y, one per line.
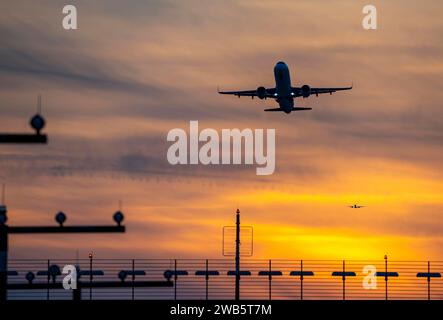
column 3, row 256
column 270, row 280
column 90, row 275
column 175, row 279
column 133, row 278
column 207, row 278
column 386, row 277
column 47, row 278
column 344, row 281
column 429, row 280
column 301, row 279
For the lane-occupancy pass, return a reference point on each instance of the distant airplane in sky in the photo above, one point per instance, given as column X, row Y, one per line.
column 283, row 92
column 356, row 206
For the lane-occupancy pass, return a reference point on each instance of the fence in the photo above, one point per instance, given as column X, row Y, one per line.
column 192, row 279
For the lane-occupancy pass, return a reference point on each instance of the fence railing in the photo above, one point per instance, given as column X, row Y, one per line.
column 191, row 279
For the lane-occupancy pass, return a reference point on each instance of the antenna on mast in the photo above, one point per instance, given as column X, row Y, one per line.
column 38, row 122
column 39, row 104
column 3, row 194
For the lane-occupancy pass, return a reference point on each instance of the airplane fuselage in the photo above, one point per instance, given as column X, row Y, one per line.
column 283, row 87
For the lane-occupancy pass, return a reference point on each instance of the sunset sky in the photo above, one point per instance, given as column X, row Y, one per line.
column 134, row 70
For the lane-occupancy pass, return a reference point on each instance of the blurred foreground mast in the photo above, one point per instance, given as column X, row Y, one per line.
column 37, row 123
column 237, row 256
column 60, row 217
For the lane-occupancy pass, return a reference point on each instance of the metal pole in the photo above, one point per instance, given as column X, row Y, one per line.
column 133, row 278
column 90, row 275
column 207, row 278
column 301, row 279
column 344, row 279
column 3, row 262
column 237, row 256
column 47, row 290
column 386, row 277
column 270, row 280
column 175, row 279
column 429, row 280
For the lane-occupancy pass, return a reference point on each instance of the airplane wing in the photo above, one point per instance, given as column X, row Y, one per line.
column 267, row 93
column 298, row 91
column 293, row 109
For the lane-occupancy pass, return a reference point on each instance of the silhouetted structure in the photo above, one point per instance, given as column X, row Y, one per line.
column 260, row 279
column 5, row 230
column 237, row 252
column 237, row 256
column 37, row 122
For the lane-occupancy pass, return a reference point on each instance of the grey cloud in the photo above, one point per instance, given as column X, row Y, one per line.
column 31, row 54
column 48, row 57
column 84, row 72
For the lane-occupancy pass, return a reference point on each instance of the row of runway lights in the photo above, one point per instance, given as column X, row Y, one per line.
column 54, row 271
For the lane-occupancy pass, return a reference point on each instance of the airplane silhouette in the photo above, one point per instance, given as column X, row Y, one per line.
column 283, row 92
column 356, row 206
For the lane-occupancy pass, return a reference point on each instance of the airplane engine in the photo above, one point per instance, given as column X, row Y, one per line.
column 261, row 92
column 305, row 91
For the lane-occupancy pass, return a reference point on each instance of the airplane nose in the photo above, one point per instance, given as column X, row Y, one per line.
column 279, row 65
